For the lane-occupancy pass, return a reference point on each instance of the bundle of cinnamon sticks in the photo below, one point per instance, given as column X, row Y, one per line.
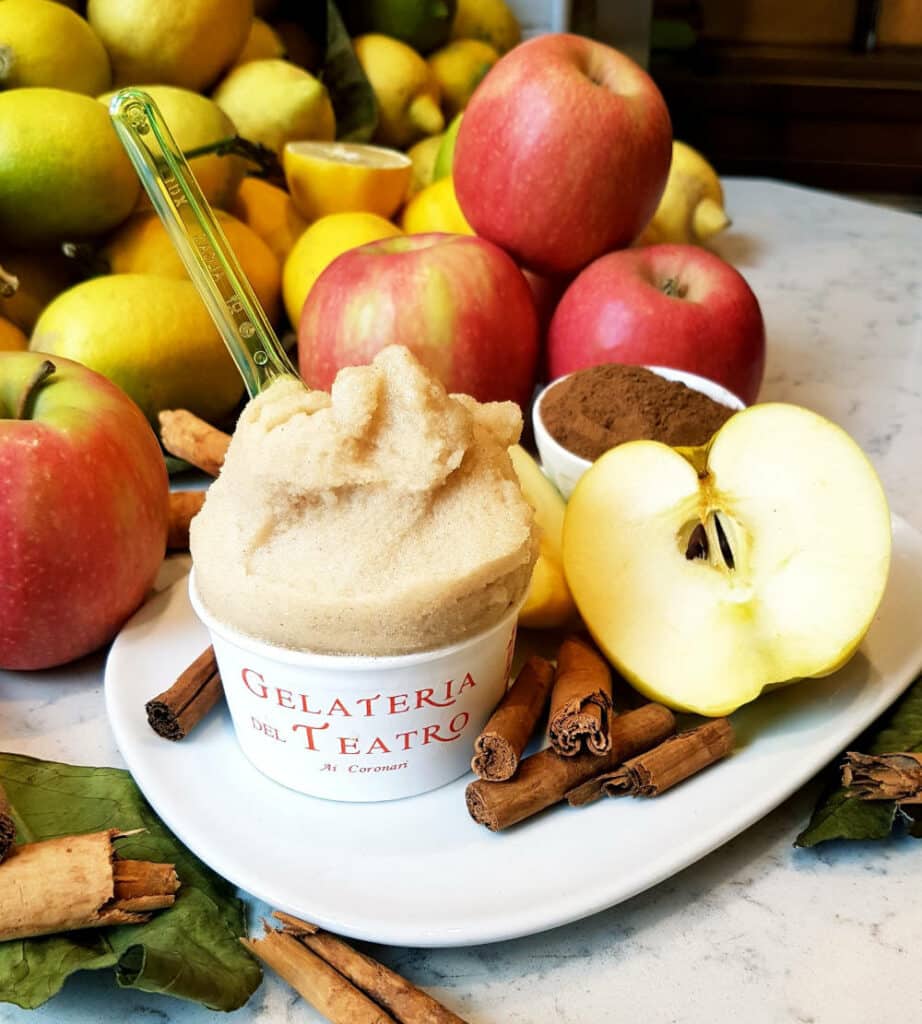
column 343, row 984
column 591, row 752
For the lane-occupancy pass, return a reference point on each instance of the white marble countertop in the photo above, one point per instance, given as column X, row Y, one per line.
column 757, row 931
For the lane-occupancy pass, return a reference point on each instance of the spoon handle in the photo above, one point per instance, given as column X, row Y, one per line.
column 199, row 240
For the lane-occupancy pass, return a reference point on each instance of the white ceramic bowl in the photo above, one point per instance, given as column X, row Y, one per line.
column 360, row 728
column 564, row 468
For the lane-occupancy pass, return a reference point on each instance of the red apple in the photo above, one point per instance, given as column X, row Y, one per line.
column 458, row 302
column 83, row 510
column 662, row 305
column 562, row 153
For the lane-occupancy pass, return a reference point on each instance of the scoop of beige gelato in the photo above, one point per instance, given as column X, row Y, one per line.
column 383, row 518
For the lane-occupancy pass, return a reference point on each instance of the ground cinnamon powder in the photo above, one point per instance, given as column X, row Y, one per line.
column 600, row 407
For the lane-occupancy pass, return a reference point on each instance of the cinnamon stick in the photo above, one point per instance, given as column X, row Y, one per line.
column 321, row 985
column 187, row 437
column 184, row 505
column 884, row 776
column 75, row 882
column 545, row 778
column 403, row 1001
column 580, row 701
column 498, row 748
column 659, row 769
column 174, row 713
column 7, row 825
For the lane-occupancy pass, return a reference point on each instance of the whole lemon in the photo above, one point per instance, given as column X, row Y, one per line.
column 12, row 338
column 424, row 155
column 152, row 336
column 63, row 173
column 173, row 42
column 274, row 102
column 271, row 213
column 435, row 209
column 489, row 20
column 263, row 43
column 196, row 120
column 406, row 91
column 459, row 68
column 32, row 54
column 142, row 246
column 323, row 241
column 691, row 208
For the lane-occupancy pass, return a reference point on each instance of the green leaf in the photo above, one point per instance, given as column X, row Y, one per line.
column 840, row 816
column 190, row 950
column 350, row 92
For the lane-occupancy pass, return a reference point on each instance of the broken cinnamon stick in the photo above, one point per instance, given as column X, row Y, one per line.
column 187, row 437
column 580, row 701
column 7, row 825
column 884, row 776
column 174, row 713
column 662, row 767
column 405, row 1002
column 75, row 882
column 184, row 505
column 498, row 748
column 545, row 778
column 321, row 985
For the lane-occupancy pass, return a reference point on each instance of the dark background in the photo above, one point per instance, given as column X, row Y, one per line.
column 826, row 93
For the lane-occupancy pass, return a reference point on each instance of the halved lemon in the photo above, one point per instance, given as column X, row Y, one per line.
column 345, row 177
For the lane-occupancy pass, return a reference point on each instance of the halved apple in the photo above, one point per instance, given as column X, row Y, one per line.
column 548, row 603
column 707, row 574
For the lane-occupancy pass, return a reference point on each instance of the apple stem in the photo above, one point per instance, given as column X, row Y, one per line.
column 673, row 288
column 44, row 370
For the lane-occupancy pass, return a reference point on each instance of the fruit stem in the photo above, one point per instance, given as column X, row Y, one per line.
column 673, row 288
column 7, row 64
column 235, row 145
column 9, row 283
column 44, row 370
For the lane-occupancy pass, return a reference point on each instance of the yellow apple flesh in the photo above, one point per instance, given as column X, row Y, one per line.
column 548, row 603
column 706, row 575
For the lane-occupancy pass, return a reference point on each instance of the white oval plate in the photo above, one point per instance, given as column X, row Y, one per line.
column 419, row 872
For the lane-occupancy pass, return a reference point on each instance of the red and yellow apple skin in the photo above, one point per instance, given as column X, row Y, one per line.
column 563, row 152
column 83, row 512
column 662, row 305
column 458, row 303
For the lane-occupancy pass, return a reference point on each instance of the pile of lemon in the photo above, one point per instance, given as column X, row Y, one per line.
column 86, row 269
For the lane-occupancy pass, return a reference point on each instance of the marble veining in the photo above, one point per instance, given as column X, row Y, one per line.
column 757, row 931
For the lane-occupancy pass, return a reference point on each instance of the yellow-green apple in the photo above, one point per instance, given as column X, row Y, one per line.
column 83, row 510
column 708, row 574
column 662, row 305
column 459, row 303
column 562, row 153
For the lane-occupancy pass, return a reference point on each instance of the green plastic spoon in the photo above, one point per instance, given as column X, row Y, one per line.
column 199, row 240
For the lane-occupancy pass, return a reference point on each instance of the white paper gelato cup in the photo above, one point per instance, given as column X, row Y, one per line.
column 360, row 728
